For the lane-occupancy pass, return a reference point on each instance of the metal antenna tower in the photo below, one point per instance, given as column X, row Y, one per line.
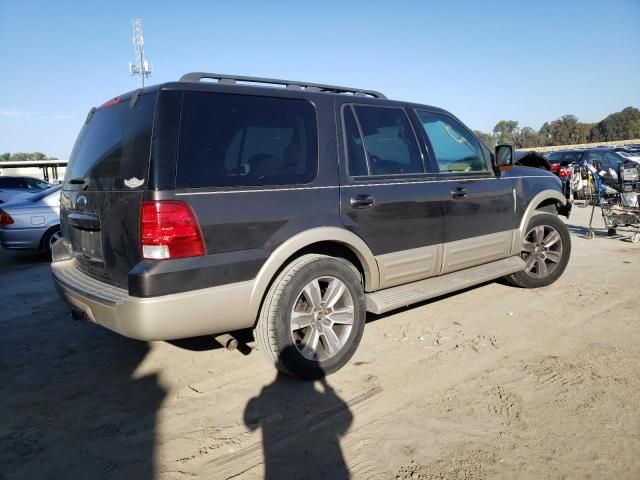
column 142, row 67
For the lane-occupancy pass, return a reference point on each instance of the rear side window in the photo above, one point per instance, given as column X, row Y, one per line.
column 455, row 149
column 10, row 183
column 390, row 144
column 114, row 146
column 231, row 140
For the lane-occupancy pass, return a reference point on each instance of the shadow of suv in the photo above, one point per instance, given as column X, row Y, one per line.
column 200, row 207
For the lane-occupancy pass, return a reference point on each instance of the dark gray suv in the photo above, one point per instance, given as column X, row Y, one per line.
column 219, row 203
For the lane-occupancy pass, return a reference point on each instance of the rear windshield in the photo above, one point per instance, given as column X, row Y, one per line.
column 242, row 140
column 112, row 150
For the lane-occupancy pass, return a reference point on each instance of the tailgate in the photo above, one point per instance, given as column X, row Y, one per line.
column 104, row 185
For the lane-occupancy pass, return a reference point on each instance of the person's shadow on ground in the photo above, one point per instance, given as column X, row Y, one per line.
column 72, row 406
column 301, row 429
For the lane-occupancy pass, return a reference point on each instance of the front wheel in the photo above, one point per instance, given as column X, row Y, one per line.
column 546, row 249
column 313, row 317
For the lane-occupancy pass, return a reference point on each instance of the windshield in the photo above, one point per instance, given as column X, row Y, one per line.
column 114, row 146
column 570, row 157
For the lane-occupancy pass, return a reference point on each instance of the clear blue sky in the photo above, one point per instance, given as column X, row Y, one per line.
column 483, row 61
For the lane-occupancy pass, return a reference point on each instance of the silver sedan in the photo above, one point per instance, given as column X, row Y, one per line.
column 31, row 221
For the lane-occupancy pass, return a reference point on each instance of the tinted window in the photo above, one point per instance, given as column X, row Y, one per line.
column 566, row 157
column 241, row 140
column 455, row 149
column 9, row 183
column 389, row 141
column 114, row 146
column 355, row 150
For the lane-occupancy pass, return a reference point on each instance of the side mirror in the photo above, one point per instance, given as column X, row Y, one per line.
column 504, row 158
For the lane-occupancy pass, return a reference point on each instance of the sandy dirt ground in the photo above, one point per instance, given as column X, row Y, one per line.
column 493, row 382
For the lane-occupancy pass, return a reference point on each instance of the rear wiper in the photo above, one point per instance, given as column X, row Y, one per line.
column 80, row 181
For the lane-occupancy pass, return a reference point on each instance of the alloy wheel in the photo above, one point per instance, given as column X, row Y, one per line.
column 542, row 251
column 322, row 318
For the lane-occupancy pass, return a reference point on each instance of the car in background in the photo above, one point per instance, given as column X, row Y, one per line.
column 32, row 221
column 632, row 154
column 11, row 186
column 561, row 164
column 603, row 159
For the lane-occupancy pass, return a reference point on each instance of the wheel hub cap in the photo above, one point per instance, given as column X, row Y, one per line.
column 542, row 251
column 322, row 318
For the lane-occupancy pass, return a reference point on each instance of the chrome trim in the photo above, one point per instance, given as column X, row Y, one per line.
column 355, row 185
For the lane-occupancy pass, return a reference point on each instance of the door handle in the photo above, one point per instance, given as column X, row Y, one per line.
column 362, row 201
column 459, row 192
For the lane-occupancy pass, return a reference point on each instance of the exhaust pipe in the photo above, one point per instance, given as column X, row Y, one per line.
column 227, row 341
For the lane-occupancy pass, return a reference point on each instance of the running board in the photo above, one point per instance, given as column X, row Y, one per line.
column 396, row 297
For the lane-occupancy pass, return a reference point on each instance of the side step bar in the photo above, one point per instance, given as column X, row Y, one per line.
column 396, row 297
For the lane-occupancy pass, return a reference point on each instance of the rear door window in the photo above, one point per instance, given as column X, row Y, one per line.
column 229, row 140
column 389, row 142
column 357, row 160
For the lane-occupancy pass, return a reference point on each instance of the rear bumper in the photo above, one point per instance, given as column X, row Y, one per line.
column 199, row 312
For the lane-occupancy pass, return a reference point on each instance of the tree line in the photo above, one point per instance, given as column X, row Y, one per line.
column 24, row 157
column 566, row 130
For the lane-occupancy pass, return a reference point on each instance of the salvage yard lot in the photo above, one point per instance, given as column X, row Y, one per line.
column 493, row 382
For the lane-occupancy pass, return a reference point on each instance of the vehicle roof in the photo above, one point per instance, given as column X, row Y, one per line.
column 243, row 89
column 21, row 176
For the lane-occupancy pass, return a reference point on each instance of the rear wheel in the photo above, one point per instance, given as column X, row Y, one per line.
column 313, row 316
column 52, row 236
column 546, row 249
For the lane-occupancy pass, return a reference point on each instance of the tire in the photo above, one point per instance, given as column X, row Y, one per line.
column 546, row 253
column 319, row 290
column 49, row 238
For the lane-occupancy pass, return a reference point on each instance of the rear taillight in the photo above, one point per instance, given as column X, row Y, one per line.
column 564, row 172
column 555, row 167
column 169, row 229
column 5, row 218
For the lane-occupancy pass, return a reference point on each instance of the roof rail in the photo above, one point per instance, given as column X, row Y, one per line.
column 291, row 84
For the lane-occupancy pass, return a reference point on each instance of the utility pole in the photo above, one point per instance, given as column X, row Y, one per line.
column 142, row 67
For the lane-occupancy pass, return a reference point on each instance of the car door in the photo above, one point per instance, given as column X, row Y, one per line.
column 479, row 208
column 386, row 196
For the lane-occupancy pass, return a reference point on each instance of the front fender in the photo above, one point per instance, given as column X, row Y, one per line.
column 530, row 211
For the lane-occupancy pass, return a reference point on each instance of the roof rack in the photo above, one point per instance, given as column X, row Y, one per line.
column 290, row 84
